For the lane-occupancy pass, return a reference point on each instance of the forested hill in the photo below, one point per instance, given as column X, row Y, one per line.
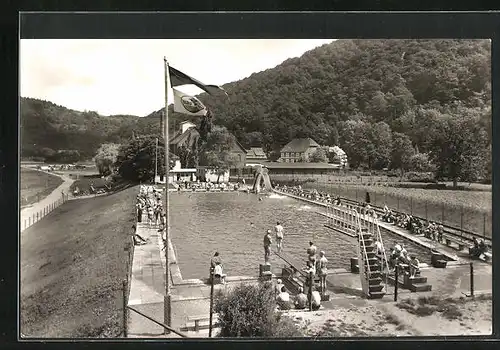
column 46, row 126
column 391, row 81
column 339, row 93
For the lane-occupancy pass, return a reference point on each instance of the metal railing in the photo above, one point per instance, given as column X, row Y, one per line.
column 459, row 219
column 366, row 273
column 41, row 213
column 168, row 328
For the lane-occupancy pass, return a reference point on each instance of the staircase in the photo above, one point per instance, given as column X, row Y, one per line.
column 371, row 269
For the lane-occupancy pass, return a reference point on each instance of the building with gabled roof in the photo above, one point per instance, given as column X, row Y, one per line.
column 298, row 150
column 255, row 155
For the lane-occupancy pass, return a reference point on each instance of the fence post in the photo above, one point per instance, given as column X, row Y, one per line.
column 396, row 278
column 29, row 221
column 411, row 206
column 311, row 280
column 211, row 302
column 33, row 217
column 484, row 225
column 442, row 213
column 37, row 216
column 356, row 194
column 398, row 203
column 426, row 218
column 471, row 279
column 124, row 283
column 461, row 221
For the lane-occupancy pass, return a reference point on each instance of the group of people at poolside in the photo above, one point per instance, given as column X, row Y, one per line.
column 149, row 204
column 300, row 301
column 416, row 226
column 399, row 256
column 314, row 267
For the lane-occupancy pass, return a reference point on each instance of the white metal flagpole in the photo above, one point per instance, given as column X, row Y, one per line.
column 167, row 304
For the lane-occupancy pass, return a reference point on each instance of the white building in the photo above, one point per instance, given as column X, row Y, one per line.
column 178, row 174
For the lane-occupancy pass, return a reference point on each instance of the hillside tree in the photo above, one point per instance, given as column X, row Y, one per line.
column 105, row 158
column 319, row 156
column 402, row 152
column 460, row 149
column 136, row 159
column 215, row 152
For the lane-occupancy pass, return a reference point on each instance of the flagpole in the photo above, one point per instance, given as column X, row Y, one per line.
column 156, row 160
column 167, row 304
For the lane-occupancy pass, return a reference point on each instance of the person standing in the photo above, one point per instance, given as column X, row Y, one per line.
column 267, row 246
column 139, row 211
column 322, row 271
column 311, row 252
column 279, row 235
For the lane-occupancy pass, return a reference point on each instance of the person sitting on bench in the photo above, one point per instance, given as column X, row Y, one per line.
column 216, row 260
column 478, row 248
column 301, row 300
column 482, row 247
column 414, row 269
column 219, row 274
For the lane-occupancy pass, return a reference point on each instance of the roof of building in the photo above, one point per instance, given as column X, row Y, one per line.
column 299, row 145
column 298, row 165
column 257, row 152
column 180, row 138
column 186, row 121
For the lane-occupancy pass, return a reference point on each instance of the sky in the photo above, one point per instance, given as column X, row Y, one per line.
column 127, row 76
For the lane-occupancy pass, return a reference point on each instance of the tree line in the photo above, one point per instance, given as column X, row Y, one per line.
column 403, row 104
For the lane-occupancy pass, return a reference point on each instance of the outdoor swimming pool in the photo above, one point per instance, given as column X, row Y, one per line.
column 235, row 223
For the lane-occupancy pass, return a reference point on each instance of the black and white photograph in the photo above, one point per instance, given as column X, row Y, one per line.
column 255, row 188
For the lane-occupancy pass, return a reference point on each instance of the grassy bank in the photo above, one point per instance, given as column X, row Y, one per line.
column 72, row 266
column 36, row 185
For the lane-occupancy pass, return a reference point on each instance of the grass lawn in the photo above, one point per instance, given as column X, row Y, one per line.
column 72, row 267
column 36, row 185
column 470, row 210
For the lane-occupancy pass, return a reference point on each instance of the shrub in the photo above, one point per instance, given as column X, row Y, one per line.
column 249, row 311
column 424, row 310
column 451, row 312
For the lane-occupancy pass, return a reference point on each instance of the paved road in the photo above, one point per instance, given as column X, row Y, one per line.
column 51, row 198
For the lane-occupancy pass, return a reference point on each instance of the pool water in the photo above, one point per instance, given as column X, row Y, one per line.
column 235, row 224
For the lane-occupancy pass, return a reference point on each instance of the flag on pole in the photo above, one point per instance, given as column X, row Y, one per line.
column 178, row 78
column 187, row 104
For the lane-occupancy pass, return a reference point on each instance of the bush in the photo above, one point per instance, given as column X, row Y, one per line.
column 249, row 311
